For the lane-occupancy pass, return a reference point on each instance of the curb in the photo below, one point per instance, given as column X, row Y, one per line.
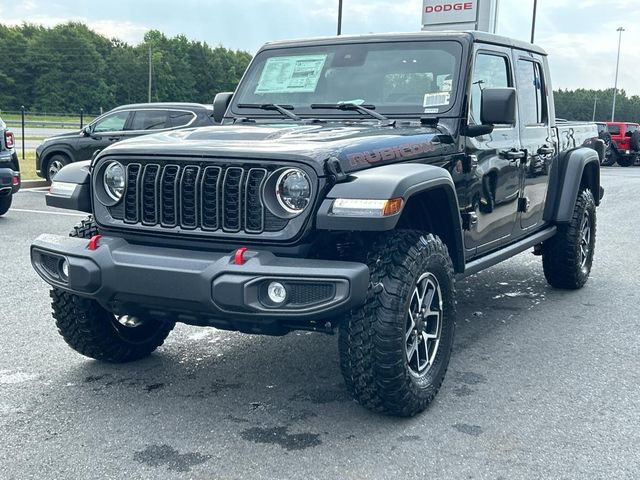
column 26, row 184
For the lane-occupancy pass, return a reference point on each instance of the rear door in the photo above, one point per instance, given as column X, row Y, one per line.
column 536, row 137
column 147, row 121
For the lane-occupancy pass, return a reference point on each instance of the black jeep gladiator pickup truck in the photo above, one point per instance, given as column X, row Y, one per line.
column 352, row 180
column 9, row 168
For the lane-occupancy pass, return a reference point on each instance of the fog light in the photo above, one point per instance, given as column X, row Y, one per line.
column 64, row 269
column 277, row 293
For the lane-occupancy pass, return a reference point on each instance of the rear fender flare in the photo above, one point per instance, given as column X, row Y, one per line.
column 574, row 168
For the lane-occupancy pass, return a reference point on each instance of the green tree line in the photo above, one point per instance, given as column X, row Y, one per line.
column 578, row 105
column 69, row 67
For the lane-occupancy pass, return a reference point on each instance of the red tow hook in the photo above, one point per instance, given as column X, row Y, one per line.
column 238, row 257
column 93, row 243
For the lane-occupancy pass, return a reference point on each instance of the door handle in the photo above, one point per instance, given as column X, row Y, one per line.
column 514, row 154
column 114, row 139
column 546, row 150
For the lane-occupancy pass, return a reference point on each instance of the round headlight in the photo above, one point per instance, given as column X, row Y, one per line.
column 293, row 190
column 114, row 180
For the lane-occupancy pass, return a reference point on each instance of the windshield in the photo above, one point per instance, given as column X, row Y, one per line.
column 396, row 78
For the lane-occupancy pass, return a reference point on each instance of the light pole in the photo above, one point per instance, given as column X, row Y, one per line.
column 615, row 85
column 533, row 21
column 339, row 17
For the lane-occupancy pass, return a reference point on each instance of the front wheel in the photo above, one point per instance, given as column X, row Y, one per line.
column 395, row 350
column 568, row 255
column 97, row 333
column 55, row 164
column 5, row 204
column 610, row 156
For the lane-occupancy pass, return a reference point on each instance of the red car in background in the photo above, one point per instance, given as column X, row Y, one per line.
column 623, row 143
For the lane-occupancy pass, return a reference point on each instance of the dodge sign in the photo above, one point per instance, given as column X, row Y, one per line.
column 459, row 15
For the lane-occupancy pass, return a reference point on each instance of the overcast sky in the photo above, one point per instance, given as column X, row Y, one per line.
column 580, row 35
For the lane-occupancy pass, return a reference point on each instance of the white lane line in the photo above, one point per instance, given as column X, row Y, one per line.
column 34, row 190
column 24, row 210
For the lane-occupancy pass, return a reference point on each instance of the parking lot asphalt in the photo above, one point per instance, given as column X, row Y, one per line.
column 543, row 383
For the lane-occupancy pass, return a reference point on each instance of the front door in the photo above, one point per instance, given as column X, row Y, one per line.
column 494, row 181
column 535, row 137
column 103, row 133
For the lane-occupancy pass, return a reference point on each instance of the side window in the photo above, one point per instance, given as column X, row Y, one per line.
column 490, row 71
column 179, row 119
column 112, row 123
column 630, row 129
column 149, row 120
column 614, row 129
column 533, row 106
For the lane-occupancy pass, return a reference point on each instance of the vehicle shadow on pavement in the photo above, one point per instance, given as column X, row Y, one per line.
column 287, row 391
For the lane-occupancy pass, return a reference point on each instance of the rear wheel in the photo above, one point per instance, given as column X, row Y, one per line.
column 395, row 350
column 567, row 257
column 5, row 204
column 97, row 333
column 626, row 160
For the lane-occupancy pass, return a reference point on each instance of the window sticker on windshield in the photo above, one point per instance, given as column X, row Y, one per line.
column 299, row 74
column 436, row 99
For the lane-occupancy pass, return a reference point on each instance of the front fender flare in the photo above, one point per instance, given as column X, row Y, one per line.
column 393, row 181
column 77, row 176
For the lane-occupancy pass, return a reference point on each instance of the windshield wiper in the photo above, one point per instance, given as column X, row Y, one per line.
column 283, row 109
column 365, row 109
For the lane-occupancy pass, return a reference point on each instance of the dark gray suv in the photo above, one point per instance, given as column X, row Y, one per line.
column 124, row 122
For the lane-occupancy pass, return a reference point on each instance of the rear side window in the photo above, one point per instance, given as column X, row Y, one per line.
column 490, row 71
column 149, row 120
column 631, row 129
column 179, row 119
column 533, row 105
column 614, row 129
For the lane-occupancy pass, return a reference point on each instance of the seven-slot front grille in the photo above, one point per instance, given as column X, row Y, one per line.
column 212, row 198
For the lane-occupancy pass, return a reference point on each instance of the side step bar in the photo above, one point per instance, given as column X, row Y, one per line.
column 504, row 253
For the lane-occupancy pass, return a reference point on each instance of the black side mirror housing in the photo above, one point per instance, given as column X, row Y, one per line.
column 220, row 104
column 86, row 131
column 498, row 106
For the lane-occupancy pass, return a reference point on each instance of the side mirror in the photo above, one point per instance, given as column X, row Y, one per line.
column 86, row 131
column 498, row 106
column 220, row 105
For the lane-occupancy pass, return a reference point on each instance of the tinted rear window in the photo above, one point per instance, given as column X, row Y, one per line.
column 630, row 129
column 149, row 120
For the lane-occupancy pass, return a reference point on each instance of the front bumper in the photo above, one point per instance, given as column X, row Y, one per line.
column 203, row 288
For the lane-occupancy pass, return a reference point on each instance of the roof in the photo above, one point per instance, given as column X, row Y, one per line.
column 158, row 105
column 474, row 36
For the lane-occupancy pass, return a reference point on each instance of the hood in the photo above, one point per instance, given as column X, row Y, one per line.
column 68, row 137
column 71, row 134
column 355, row 145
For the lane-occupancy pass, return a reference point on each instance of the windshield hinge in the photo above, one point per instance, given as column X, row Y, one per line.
column 334, row 167
column 431, row 121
